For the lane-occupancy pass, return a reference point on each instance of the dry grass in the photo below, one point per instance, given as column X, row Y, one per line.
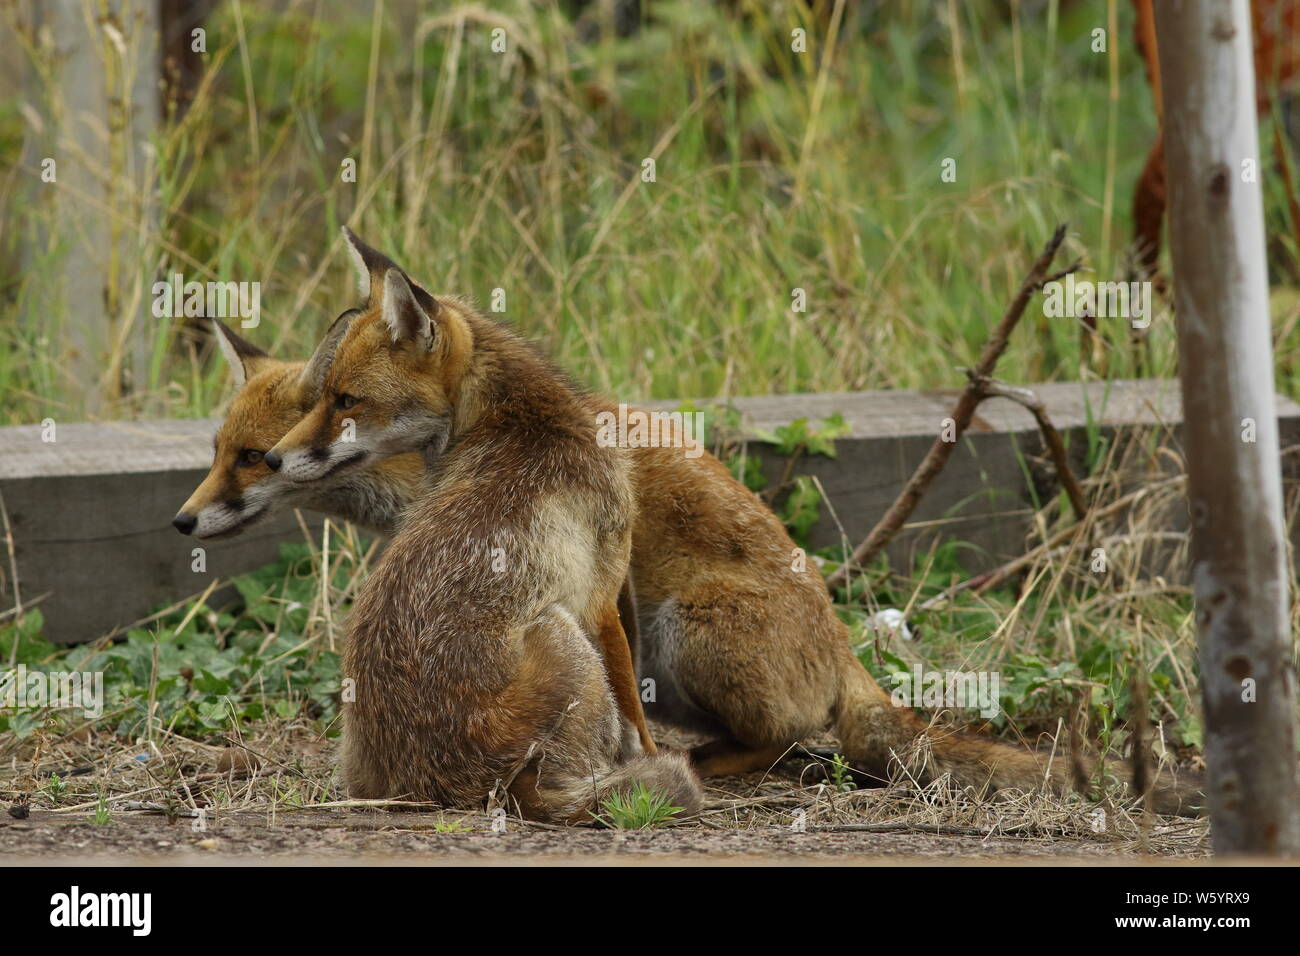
column 292, row 784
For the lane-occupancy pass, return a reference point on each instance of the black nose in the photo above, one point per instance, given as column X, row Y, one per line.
column 184, row 523
column 272, row 460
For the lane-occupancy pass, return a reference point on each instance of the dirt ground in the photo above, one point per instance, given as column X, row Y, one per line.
column 346, row 836
column 175, row 808
column 376, row 836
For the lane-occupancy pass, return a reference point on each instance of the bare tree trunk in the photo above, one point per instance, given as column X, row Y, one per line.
column 1226, row 360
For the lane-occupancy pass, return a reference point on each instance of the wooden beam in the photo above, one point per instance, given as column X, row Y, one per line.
column 91, row 510
column 90, row 515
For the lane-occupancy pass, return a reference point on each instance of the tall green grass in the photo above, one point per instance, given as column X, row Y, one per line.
column 775, row 171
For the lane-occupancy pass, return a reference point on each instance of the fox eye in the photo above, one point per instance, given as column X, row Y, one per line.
column 248, row 457
column 343, row 401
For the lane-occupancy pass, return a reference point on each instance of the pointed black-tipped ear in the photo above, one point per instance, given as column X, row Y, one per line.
column 407, row 319
column 245, row 358
column 371, row 264
column 312, row 378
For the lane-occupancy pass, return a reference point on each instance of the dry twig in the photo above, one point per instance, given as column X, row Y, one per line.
column 941, row 450
column 1051, row 437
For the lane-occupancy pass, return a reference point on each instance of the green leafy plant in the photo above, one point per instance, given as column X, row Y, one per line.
column 443, row 825
column 204, row 671
column 799, row 438
column 840, row 774
column 801, row 506
column 638, row 809
column 56, row 788
column 102, row 817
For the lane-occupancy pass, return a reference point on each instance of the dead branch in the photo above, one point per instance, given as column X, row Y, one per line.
column 1143, row 778
column 894, row 519
column 1078, row 766
column 23, row 608
column 1051, row 437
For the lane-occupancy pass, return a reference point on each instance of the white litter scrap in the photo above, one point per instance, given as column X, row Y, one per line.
column 890, row 622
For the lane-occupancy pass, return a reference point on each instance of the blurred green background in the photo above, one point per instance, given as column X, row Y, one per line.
column 522, row 171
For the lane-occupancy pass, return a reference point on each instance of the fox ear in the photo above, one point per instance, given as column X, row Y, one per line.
column 371, row 265
column 245, row 358
column 312, row 378
column 408, row 313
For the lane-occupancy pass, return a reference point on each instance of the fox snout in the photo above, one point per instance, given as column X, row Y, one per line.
column 219, row 508
column 306, row 465
column 275, row 461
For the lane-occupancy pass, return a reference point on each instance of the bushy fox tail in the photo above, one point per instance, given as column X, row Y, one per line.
column 882, row 739
column 579, row 801
column 667, row 774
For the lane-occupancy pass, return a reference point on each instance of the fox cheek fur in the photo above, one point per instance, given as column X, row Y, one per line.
column 427, row 434
column 226, row 502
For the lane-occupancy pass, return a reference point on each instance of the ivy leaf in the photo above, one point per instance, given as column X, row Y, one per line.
column 822, row 441
column 208, row 683
column 24, row 723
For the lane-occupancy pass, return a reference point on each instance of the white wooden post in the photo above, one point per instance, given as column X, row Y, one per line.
column 1239, row 573
column 90, row 193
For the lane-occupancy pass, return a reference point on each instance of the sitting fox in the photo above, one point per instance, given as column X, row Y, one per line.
column 738, row 643
column 469, row 642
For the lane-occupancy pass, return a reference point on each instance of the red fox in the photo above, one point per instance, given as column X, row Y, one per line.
column 738, row 643
column 468, row 643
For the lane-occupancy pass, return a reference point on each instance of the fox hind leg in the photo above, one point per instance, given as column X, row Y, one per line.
column 613, row 644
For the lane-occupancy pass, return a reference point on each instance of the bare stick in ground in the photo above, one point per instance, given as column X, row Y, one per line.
column 1225, row 358
column 13, row 570
column 941, row 450
column 1143, row 778
column 1078, row 766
